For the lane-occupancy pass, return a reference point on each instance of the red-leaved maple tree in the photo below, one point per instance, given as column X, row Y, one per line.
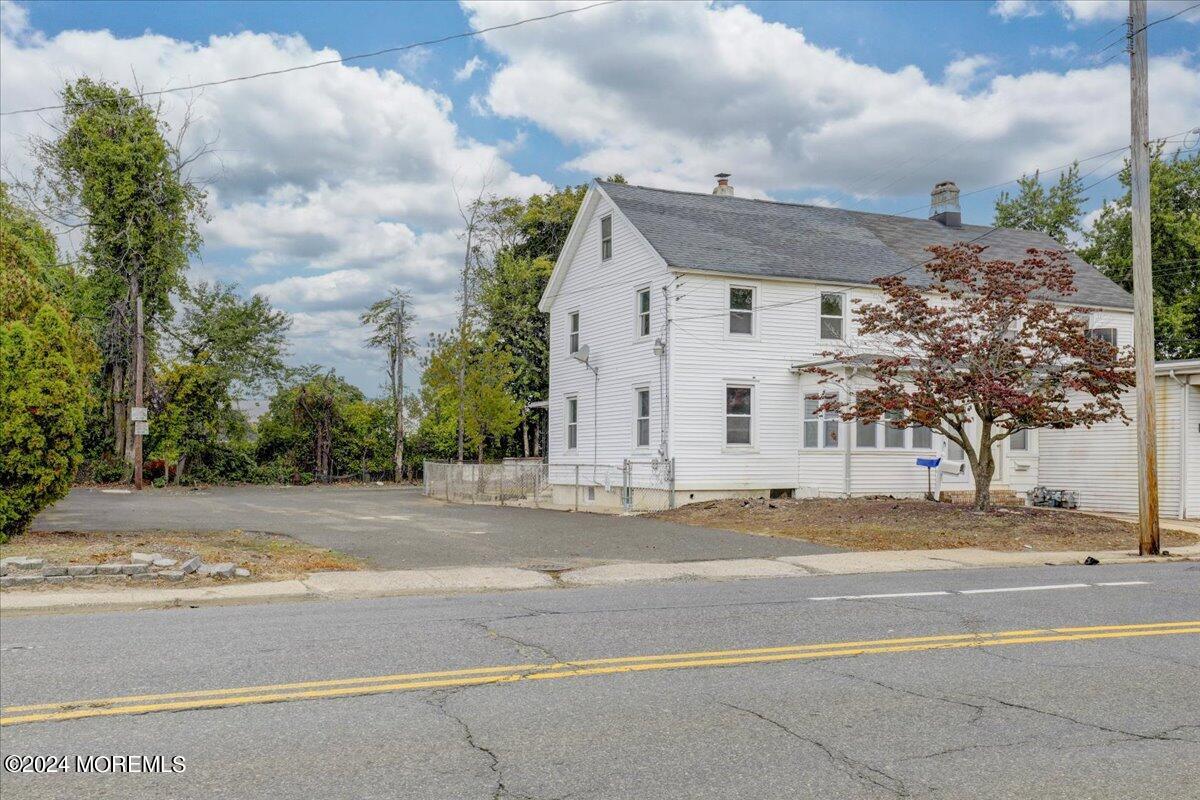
column 982, row 351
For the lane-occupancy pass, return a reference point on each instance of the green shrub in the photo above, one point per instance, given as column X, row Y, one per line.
column 41, row 418
column 159, row 482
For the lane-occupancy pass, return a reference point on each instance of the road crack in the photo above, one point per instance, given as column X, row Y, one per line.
column 1162, row 736
column 851, row 766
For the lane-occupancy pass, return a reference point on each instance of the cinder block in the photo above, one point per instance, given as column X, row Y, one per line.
column 59, row 579
column 135, row 569
column 76, row 570
column 172, row 575
column 190, row 566
column 144, row 558
column 111, row 569
column 53, row 570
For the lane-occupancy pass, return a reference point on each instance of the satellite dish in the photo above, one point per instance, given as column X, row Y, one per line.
column 581, row 355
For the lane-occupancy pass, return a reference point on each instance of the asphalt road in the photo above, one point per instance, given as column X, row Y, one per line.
column 398, row 528
column 1113, row 713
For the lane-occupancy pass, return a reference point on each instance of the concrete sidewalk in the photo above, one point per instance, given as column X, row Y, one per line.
column 394, row 583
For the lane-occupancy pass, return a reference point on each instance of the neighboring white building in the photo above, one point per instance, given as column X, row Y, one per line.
column 696, row 312
column 1100, row 463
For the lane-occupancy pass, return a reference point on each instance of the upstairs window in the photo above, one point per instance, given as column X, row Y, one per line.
column 643, row 312
column 1107, row 334
column 642, row 421
column 606, row 237
column 572, row 423
column 573, row 333
column 833, row 322
column 741, row 310
column 820, row 427
column 739, row 405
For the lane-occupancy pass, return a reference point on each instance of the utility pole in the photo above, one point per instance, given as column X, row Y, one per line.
column 1143, row 289
column 139, row 366
column 398, row 387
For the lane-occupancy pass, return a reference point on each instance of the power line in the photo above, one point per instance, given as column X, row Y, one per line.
column 1164, row 19
column 342, row 60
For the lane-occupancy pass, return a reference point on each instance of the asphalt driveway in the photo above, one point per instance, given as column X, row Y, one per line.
column 399, row 528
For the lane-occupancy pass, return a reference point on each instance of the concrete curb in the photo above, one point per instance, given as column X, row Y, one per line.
column 397, row 583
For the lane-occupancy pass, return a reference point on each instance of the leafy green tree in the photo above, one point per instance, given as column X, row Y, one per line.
column 195, row 425
column 491, row 412
column 510, row 292
column 1175, row 249
column 41, row 417
column 390, row 321
column 1055, row 212
column 114, row 169
column 305, row 432
column 244, row 341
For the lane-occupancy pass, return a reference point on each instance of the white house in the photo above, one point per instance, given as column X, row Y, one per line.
column 1100, row 464
column 679, row 322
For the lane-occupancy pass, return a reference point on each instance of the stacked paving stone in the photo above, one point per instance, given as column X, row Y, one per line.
column 18, row 571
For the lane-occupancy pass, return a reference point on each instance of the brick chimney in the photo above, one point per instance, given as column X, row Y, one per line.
column 943, row 204
column 723, row 188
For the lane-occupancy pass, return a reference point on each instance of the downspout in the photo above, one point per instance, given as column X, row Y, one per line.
column 1183, row 453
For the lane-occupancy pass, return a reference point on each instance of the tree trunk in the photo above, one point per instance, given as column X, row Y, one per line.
column 118, row 412
column 179, row 467
column 982, row 471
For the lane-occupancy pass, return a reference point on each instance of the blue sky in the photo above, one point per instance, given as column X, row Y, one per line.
column 328, row 189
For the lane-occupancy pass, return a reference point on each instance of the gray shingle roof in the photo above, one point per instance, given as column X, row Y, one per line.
column 787, row 240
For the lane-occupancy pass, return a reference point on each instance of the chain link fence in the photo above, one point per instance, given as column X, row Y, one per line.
column 631, row 486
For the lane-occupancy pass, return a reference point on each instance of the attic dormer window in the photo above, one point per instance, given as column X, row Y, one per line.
column 606, row 237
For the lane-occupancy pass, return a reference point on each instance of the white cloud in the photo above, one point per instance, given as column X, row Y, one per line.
column 962, row 72
column 341, row 177
column 473, row 65
column 733, row 92
column 1085, row 11
column 1016, row 9
column 1059, row 52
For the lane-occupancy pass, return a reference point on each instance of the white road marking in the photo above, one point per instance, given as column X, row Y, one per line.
column 996, row 590
column 1027, row 588
column 870, row 596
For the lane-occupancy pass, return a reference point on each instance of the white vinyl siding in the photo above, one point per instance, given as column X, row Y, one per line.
column 604, row 293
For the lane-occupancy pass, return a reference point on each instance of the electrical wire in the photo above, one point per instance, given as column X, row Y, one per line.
column 342, row 60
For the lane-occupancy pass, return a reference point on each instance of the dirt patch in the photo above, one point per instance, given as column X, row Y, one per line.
column 268, row 556
column 885, row 523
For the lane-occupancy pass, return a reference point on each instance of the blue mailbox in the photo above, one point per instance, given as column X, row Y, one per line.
column 930, row 464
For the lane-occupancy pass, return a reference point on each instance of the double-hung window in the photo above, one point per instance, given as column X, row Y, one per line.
column 833, row 315
column 893, row 431
column 741, row 310
column 573, row 333
column 739, row 410
column 641, row 431
column 572, row 423
column 643, row 311
column 1019, row 441
column 1107, row 334
column 820, row 427
column 606, row 237
column 922, row 438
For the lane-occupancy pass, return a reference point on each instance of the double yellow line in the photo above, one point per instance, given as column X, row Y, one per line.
column 512, row 673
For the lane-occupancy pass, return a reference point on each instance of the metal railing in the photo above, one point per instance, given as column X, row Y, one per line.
column 631, row 486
